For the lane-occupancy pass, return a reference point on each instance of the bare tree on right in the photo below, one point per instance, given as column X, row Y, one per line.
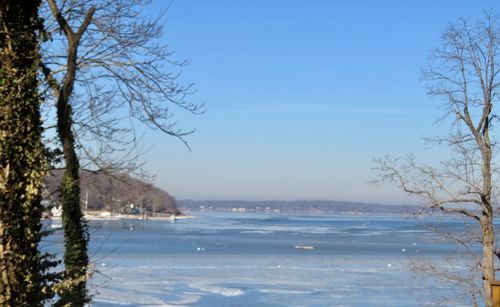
column 464, row 74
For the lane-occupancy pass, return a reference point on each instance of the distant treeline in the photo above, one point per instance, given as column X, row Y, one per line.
column 295, row 206
column 119, row 194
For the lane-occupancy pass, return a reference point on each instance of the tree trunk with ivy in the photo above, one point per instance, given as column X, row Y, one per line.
column 76, row 260
column 75, row 228
column 22, row 163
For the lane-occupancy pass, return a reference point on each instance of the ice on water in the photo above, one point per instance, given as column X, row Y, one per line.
column 229, row 259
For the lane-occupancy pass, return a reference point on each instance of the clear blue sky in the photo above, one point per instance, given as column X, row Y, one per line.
column 301, row 96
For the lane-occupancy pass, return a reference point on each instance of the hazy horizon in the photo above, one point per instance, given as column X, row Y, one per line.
column 408, row 203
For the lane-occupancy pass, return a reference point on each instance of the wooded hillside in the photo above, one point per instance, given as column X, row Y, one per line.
column 115, row 193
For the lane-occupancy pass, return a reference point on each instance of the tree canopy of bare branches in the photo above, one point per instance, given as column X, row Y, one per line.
column 122, row 75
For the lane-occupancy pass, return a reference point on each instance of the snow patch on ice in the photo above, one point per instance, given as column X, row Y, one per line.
column 219, row 290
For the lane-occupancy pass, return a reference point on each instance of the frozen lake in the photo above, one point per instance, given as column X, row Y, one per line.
column 250, row 259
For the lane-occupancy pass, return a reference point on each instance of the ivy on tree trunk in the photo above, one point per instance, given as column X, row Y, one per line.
column 23, row 281
column 75, row 229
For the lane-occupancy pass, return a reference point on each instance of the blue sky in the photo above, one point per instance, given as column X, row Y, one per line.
column 301, row 96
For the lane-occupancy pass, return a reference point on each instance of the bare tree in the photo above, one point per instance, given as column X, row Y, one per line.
column 106, row 71
column 464, row 73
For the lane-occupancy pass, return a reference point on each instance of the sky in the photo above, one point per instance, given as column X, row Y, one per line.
column 301, row 96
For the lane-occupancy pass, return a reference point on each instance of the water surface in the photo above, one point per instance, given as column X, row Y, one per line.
column 251, row 259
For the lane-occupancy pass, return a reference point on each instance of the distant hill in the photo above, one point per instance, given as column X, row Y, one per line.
column 315, row 206
column 115, row 194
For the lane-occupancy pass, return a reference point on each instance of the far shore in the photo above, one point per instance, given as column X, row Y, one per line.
column 105, row 215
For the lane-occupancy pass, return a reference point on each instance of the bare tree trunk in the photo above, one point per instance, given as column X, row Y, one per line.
column 486, row 222
column 487, row 267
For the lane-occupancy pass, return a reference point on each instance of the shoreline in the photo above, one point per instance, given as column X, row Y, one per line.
column 94, row 217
